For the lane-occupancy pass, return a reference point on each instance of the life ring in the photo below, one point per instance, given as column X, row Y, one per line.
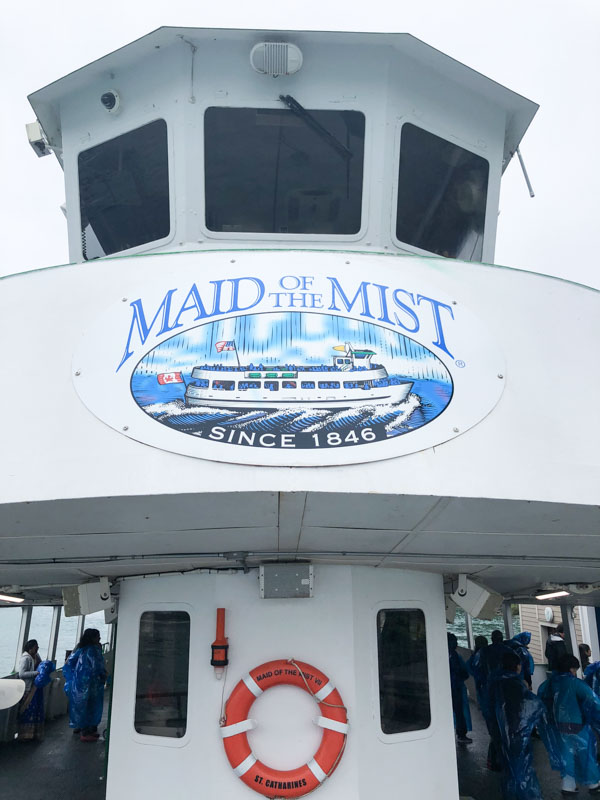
column 334, row 721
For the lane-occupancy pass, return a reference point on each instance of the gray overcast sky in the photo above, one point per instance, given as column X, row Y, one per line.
column 543, row 49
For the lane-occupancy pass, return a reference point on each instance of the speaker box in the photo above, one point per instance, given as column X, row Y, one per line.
column 476, row 600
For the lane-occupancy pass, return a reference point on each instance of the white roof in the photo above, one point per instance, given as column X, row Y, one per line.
column 518, row 110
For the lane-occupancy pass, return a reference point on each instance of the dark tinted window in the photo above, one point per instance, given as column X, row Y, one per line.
column 273, row 171
column 162, row 675
column 442, row 192
column 124, row 191
column 403, row 678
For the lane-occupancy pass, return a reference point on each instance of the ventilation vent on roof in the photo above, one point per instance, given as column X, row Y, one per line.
column 276, row 58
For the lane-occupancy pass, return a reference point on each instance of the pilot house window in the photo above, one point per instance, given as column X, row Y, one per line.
column 442, row 193
column 281, row 171
column 124, row 191
column 403, row 678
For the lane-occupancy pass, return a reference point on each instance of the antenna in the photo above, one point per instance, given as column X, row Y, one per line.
column 525, row 175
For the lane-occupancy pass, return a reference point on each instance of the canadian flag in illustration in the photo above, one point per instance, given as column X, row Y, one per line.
column 169, row 377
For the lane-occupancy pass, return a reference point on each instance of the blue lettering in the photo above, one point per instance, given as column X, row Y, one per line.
column 362, row 291
column 406, row 309
column 384, row 309
column 139, row 321
column 196, row 303
column 435, row 307
column 260, row 293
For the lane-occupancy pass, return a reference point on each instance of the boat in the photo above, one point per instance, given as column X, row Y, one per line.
column 278, row 584
column 350, row 380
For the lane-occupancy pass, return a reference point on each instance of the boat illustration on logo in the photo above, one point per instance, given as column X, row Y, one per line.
column 349, row 380
column 262, row 380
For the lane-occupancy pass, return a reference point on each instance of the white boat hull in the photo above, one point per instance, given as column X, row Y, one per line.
column 195, row 396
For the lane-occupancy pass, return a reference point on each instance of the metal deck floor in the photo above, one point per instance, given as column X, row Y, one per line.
column 59, row 768
column 63, row 767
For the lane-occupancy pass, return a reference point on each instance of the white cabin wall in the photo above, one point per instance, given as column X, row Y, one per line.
column 453, row 113
column 334, row 631
column 156, row 89
column 387, row 87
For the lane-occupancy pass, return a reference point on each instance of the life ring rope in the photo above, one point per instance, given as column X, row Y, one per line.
column 235, row 723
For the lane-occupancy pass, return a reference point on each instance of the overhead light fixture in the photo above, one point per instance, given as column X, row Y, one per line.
column 11, row 598
column 549, row 595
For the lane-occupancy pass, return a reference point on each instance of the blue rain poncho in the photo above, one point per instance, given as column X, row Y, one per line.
column 573, row 710
column 516, row 712
column 475, row 667
column 44, row 676
column 519, row 645
column 592, row 676
column 458, row 675
column 85, row 675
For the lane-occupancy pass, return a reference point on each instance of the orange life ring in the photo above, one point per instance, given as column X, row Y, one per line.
column 333, row 720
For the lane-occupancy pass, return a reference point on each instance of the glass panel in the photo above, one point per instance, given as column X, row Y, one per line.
column 10, row 623
column 124, row 191
column 307, row 384
column 403, row 678
column 227, row 386
column 162, row 676
column 96, row 620
column 39, row 629
column 275, row 171
column 67, row 637
column 442, row 193
column 329, row 384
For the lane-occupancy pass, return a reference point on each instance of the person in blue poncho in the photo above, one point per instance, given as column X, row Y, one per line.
column 592, row 676
column 460, row 701
column 573, row 711
column 85, row 675
column 515, row 712
column 519, row 645
column 475, row 667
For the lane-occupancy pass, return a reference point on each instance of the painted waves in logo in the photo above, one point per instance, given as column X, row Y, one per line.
column 292, row 380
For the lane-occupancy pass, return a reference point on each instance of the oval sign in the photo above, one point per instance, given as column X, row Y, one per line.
column 288, row 360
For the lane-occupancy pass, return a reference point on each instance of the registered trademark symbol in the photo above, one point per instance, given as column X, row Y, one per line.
column 460, row 363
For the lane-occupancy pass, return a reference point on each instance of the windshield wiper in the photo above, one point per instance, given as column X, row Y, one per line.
column 295, row 107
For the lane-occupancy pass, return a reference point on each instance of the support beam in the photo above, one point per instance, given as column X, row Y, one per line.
column 80, row 628
column 54, row 629
column 569, row 626
column 589, row 630
column 470, row 638
column 23, row 632
column 508, row 620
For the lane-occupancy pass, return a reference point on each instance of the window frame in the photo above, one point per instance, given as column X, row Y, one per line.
column 403, row 736
column 141, row 248
column 458, row 142
column 318, row 105
column 154, row 740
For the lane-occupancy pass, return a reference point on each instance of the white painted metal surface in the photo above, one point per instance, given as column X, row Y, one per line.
column 394, row 306
column 336, row 632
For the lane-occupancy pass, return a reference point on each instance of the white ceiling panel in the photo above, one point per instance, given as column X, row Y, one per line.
column 152, row 513
column 520, row 544
column 354, row 540
column 384, row 512
column 516, row 516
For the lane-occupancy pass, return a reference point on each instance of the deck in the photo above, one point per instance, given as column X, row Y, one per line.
column 61, row 766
